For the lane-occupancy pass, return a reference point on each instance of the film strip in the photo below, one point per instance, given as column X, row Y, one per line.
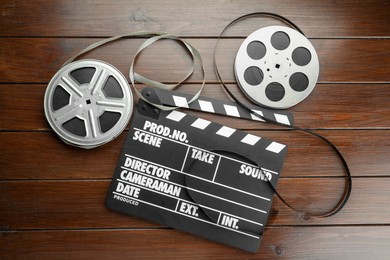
column 303, row 56
column 88, row 103
column 187, row 172
column 196, row 176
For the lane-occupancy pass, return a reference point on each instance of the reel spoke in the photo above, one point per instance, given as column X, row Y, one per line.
column 66, row 113
column 98, row 80
column 92, row 128
column 70, row 84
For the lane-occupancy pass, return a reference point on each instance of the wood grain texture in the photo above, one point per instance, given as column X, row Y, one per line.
column 281, row 242
column 40, row 155
column 354, row 106
column 190, row 18
column 52, row 195
column 32, row 60
column 56, row 204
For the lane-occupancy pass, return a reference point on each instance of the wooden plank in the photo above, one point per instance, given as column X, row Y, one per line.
column 347, row 106
column 44, row 155
column 189, row 18
column 41, row 155
column 60, row 204
column 36, row 60
column 80, row 204
column 52, row 195
column 281, row 242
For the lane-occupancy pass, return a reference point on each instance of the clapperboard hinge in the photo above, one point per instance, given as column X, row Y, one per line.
column 196, row 175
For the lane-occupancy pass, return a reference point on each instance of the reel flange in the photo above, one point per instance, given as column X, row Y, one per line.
column 277, row 67
column 88, row 103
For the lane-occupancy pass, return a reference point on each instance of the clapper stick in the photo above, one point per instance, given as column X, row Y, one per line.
column 210, row 105
column 184, row 172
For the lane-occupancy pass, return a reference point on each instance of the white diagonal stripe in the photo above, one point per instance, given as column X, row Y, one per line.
column 283, row 119
column 200, row 123
column 206, row 106
column 176, row 115
column 231, row 110
column 256, row 117
column 180, row 101
column 275, row 147
column 225, row 131
column 250, row 139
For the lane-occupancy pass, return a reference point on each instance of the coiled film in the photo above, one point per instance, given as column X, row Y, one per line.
column 277, row 67
column 88, row 103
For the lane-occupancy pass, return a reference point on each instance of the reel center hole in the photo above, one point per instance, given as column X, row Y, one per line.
column 88, row 101
column 277, row 66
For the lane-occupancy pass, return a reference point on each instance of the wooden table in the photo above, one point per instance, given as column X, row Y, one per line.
column 52, row 195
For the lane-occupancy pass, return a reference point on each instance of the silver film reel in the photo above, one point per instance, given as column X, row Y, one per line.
column 277, row 67
column 88, row 103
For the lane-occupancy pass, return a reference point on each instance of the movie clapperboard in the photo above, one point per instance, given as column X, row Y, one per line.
column 195, row 175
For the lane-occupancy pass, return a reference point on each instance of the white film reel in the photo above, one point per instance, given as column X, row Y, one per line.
column 88, row 103
column 277, row 67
